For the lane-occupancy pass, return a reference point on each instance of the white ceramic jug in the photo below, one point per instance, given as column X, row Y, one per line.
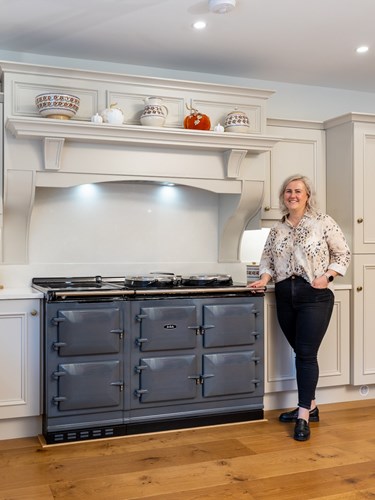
column 154, row 113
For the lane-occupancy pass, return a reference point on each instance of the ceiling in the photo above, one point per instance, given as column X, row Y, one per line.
column 309, row 42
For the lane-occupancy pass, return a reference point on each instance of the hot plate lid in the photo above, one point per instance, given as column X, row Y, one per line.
column 207, row 280
column 150, row 280
column 72, row 283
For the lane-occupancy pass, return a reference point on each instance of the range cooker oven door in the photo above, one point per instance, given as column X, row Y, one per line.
column 83, row 358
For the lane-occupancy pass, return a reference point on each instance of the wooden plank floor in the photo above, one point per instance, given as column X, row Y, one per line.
column 255, row 460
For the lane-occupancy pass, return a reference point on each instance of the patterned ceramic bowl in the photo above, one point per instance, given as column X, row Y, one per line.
column 55, row 105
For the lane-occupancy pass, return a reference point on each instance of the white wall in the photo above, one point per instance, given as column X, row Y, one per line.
column 130, row 222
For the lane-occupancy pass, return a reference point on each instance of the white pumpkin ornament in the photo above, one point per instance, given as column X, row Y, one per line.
column 113, row 115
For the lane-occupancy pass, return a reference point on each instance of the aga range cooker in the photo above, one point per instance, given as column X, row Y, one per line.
column 133, row 354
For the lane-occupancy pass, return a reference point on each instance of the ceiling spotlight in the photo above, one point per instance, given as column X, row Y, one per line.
column 362, row 50
column 221, row 6
column 199, row 25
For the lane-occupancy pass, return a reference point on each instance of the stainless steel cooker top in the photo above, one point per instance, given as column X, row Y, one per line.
column 153, row 284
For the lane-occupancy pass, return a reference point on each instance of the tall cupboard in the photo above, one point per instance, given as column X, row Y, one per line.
column 351, row 201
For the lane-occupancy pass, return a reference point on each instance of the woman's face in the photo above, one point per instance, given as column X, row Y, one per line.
column 295, row 196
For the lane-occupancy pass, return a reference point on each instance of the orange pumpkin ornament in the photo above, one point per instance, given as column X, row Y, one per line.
column 196, row 120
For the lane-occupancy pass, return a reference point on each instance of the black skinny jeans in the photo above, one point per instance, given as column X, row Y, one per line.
column 304, row 313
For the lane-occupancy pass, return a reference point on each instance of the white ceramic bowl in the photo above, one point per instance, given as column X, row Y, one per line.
column 55, row 105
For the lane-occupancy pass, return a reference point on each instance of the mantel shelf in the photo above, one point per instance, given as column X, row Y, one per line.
column 135, row 135
column 74, row 130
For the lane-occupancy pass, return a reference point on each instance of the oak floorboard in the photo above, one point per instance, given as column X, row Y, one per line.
column 252, row 460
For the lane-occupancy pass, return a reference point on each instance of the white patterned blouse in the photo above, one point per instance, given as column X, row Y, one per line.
column 307, row 250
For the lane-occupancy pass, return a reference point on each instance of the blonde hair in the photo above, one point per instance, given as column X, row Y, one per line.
column 311, row 200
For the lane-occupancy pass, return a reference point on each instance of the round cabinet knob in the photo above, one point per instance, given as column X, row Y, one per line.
column 34, row 312
column 360, row 220
column 359, row 289
column 267, row 208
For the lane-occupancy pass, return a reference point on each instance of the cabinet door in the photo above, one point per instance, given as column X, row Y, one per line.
column 302, row 151
column 279, row 357
column 19, row 358
column 1, row 163
column 364, row 181
column 334, row 353
column 363, row 338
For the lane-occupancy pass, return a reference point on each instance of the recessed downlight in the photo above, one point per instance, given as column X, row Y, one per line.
column 362, row 49
column 199, row 25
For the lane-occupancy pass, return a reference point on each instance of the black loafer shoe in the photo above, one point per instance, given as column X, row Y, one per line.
column 301, row 430
column 291, row 416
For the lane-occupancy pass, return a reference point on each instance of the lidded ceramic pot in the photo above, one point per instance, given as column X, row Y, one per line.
column 238, row 122
column 154, row 113
column 113, row 115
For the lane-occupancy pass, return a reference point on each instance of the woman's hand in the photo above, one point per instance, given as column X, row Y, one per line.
column 322, row 281
column 262, row 283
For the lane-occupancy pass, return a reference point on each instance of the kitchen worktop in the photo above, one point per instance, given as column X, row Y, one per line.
column 20, row 293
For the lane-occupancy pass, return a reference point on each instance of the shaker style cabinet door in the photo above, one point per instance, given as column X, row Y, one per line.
column 302, row 151
column 363, row 338
column 363, row 183
column 350, row 181
column 19, row 358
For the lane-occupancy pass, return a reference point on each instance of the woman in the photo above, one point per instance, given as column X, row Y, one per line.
column 303, row 254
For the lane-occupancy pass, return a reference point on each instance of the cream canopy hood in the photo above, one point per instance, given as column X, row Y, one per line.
column 42, row 152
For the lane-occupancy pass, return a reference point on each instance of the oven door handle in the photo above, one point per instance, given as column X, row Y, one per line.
column 58, row 399
column 206, row 327
column 140, row 341
column 56, row 321
column 197, row 329
column 119, row 331
column 120, row 384
column 138, row 369
column 139, row 392
column 56, row 345
column 139, row 317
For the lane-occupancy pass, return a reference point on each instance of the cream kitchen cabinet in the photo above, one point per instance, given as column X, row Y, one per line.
column 19, row 356
column 334, row 353
column 351, row 201
column 301, row 151
column 363, row 338
column 351, row 178
column 1, row 157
